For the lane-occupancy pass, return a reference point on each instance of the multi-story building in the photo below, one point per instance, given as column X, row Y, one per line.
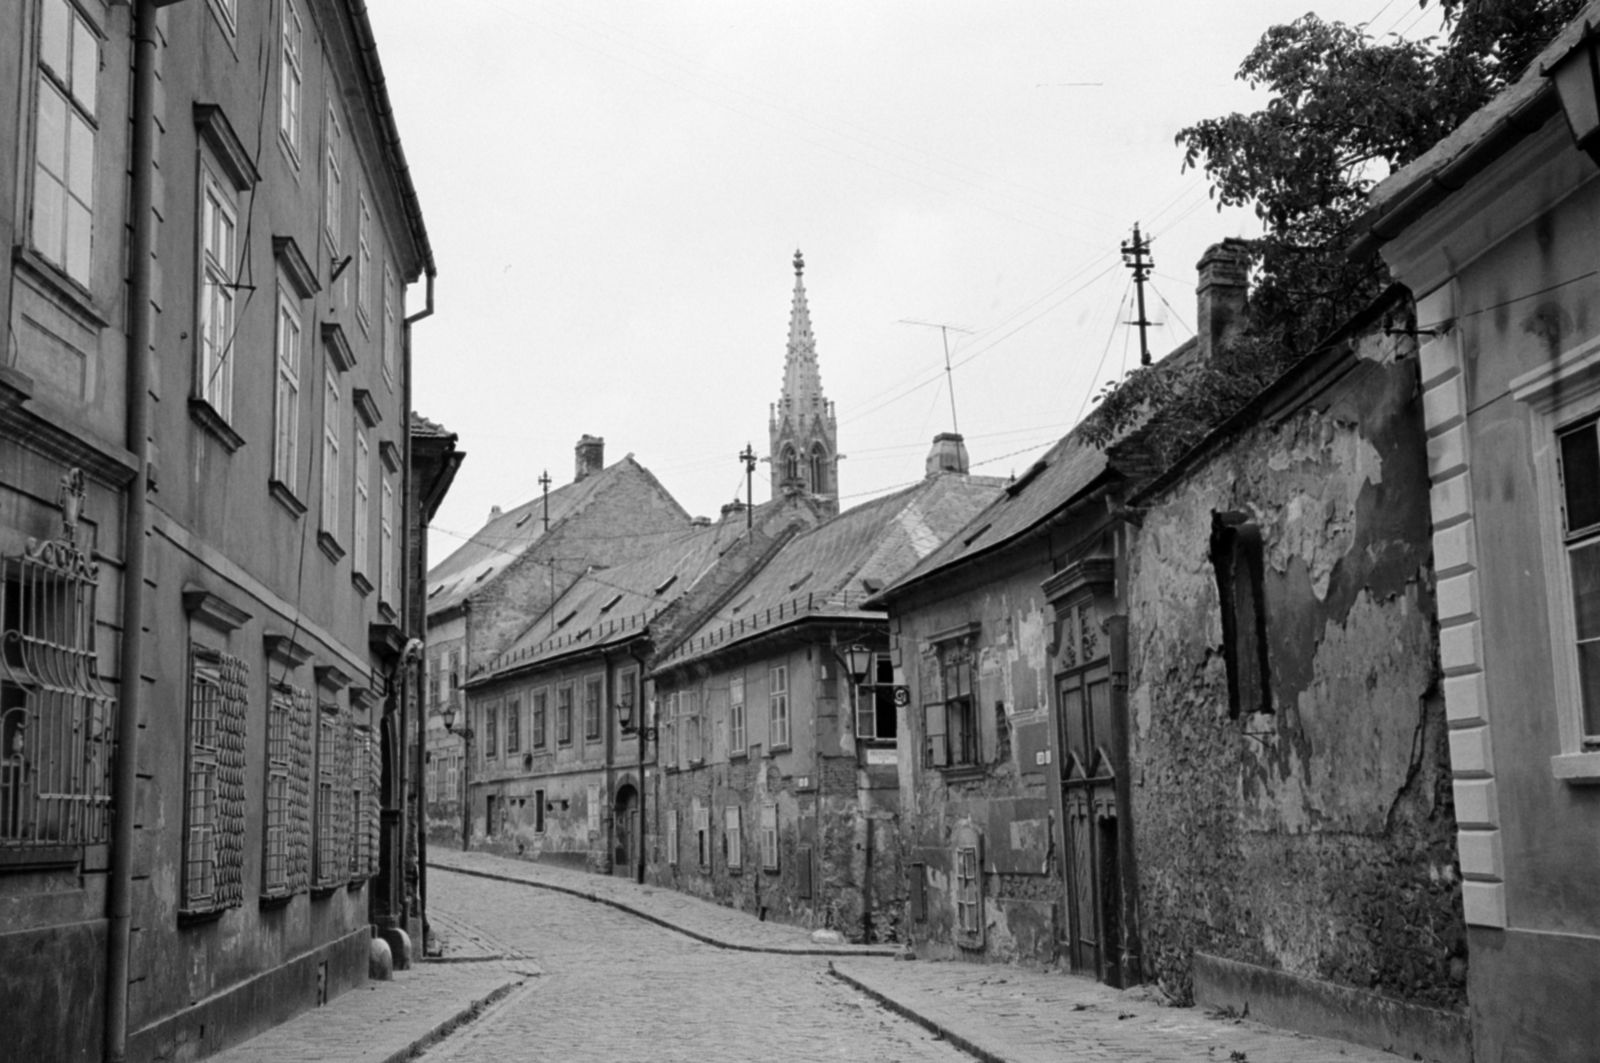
column 205, row 459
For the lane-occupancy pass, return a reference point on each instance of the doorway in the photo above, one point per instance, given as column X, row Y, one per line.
column 625, row 858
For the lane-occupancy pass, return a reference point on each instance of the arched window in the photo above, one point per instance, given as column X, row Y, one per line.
column 819, row 471
column 791, row 464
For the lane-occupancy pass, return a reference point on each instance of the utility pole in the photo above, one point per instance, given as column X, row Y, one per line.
column 949, row 377
column 748, row 456
column 544, row 482
column 1134, row 257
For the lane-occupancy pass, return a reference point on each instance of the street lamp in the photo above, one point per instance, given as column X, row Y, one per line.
column 625, row 709
column 1577, row 78
column 465, row 734
column 858, row 659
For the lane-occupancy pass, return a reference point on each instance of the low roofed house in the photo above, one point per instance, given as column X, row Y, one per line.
column 780, row 786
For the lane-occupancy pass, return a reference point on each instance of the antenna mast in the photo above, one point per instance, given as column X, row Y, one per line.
column 748, row 456
column 1133, row 255
column 950, row 380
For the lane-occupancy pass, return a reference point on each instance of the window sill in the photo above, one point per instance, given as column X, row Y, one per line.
column 78, row 299
column 961, row 772
column 270, row 901
column 741, row 754
column 286, row 497
column 362, row 583
column 42, row 858
column 330, row 546
column 386, row 610
column 323, row 892
column 784, row 748
column 358, row 883
column 206, row 416
column 1577, row 769
column 197, row 918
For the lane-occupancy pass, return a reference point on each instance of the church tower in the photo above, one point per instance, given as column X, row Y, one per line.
column 802, row 432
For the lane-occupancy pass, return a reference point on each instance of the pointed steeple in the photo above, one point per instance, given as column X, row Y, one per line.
column 802, row 430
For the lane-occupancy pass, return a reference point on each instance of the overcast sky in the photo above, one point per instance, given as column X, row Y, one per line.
column 615, row 190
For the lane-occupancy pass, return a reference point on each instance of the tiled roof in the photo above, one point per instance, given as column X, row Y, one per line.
column 612, row 605
column 512, row 534
column 830, row 570
column 422, row 427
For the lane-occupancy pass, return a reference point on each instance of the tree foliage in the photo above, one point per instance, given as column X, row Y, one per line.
column 1345, row 110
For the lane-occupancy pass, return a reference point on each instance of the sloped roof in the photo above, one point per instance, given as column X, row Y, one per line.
column 507, row 537
column 830, row 570
column 609, row 606
column 1491, row 131
column 421, row 427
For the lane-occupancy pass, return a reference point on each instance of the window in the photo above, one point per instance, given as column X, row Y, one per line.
column 968, row 893
column 55, row 715
column 667, row 745
column 391, row 325
column 791, row 464
column 778, row 708
column 672, row 837
column 1578, row 459
column 364, row 262
column 290, row 81
column 513, row 726
column 286, row 439
column 736, row 739
column 219, row 225
column 702, row 837
column 951, row 724
column 769, row 837
column 213, row 850
column 491, row 731
column 538, row 812
column 452, row 776
column 875, row 706
column 536, row 724
column 386, row 557
column 333, row 179
column 365, row 777
column 689, row 727
column 433, row 688
column 332, row 418
column 63, row 150
column 819, row 470
column 564, row 715
column 1236, row 558
column 433, row 777
column 334, row 734
column 286, row 838
column 360, row 563
column 732, row 838
column 592, row 691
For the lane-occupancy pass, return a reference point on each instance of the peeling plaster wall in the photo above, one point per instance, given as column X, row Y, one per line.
column 1319, row 838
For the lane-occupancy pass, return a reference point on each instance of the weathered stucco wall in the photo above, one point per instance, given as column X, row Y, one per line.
column 1318, row 838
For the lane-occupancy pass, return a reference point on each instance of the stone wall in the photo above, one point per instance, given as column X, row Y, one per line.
column 1317, row 838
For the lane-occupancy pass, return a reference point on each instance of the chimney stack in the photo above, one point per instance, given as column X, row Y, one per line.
column 591, row 456
column 1220, row 296
column 494, row 514
column 949, row 454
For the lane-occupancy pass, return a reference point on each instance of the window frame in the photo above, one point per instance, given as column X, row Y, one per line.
column 513, row 716
column 593, row 708
column 538, row 710
column 733, row 838
column 489, row 737
column 770, row 857
column 738, row 740
column 289, row 348
column 778, row 707
column 332, row 445
column 951, row 708
column 214, row 341
column 291, row 80
column 361, row 500
column 75, row 109
column 333, row 180
column 391, row 327
column 215, row 744
column 564, row 699
column 364, row 262
column 387, row 583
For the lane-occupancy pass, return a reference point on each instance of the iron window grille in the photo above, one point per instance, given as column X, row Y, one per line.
column 213, row 858
column 365, row 776
column 334, row 736
column 56, row 716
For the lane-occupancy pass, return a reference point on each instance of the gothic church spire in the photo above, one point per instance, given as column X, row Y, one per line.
column 802, row 428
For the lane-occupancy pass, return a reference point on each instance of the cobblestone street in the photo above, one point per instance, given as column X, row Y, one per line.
column 614, row 987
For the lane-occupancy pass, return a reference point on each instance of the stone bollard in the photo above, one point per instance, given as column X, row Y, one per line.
column 380, row 962
column 399, row 945
column 826, row 937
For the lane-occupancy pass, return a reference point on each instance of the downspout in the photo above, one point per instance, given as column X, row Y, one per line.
column 141, row 247
column 639, row 726
column 420, row 665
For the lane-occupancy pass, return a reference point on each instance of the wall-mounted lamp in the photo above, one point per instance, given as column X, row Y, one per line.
column 1577, row 78
column 858, row 660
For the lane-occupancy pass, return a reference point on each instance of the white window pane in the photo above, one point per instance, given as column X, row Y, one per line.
column 85, row 64
column 49, row 216
column 50, row 144
column 54, row 23
column 79, row 226
column 80, row 160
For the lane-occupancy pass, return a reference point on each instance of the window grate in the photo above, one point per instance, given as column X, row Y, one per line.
column 214, row 806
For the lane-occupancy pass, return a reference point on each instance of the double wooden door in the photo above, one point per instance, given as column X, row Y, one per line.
column 1089, row 822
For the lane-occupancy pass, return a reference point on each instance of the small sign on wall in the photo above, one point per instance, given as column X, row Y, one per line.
column 882, row 756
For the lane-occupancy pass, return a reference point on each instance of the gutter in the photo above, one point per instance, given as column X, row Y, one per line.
column 141, row 245
column 1388, row 221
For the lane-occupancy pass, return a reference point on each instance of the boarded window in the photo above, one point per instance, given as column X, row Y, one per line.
column 1236, row 557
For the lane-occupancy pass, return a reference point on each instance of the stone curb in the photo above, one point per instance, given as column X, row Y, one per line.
column 966, row 1044
column 782, row 950
column 455, row 1022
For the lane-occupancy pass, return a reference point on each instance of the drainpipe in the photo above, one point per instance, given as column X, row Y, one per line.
column 418, row 667
column 141, row 245
column 639, row 726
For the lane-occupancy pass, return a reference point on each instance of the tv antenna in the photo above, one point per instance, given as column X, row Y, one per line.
column 950, row 380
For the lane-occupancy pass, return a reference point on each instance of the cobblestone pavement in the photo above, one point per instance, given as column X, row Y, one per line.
column 617, row 988
column 701, row 919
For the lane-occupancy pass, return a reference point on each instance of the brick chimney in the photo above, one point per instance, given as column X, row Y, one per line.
column 591, row 456
column 1221, row 293
column 949, row 454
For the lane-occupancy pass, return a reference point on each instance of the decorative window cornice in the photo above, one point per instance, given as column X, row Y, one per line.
column 302, row 277
column 210, row 609
column 367, row 407
column 216, row 132
column 339, row 349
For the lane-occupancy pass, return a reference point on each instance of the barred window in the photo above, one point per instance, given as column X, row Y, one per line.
column 55, row 715
column 364, row 780
column 285, row 842
column 213, row 858
column 334, row 734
